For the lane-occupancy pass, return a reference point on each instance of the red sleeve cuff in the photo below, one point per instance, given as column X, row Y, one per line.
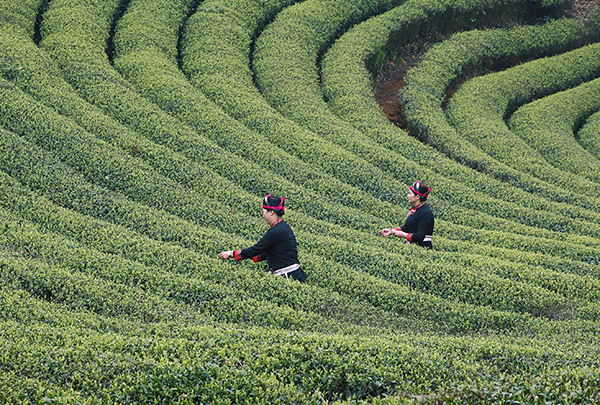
column 238, row 255
column 409, row 237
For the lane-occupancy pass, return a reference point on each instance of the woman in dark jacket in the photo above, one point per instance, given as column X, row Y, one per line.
column 418, row 227
column 278, row 246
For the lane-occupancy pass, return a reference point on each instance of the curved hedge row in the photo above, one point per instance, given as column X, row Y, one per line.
column 548, row 125
column 106, row 166
column 175, row 366
column 587, row 135
column 156, row 84
column 227, row 225
column 283, row 67
column 72, row 105
column 64, row 271
column 141, row 251
column 297, row 141
column 478, row 109
column 35, row 67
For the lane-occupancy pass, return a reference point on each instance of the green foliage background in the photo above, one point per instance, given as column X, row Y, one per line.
column 137, row 138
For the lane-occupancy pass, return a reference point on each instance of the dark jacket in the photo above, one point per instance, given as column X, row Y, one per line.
column 278, row 247
column 418, row 225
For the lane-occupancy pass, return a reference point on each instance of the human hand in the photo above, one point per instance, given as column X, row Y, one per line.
column 398, row 233
column 385, row 232
column 226, row 254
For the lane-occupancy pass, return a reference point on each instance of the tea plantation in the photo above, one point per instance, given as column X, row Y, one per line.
column 137, row 138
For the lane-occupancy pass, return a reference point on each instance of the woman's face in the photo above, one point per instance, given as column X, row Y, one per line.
column 413, row 199
column 268, row 215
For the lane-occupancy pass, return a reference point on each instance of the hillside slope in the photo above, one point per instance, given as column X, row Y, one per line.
column 138, row 137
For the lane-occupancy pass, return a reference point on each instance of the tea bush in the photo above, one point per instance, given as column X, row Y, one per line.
column 551, row 133
column 495, row 96
column 587, row 137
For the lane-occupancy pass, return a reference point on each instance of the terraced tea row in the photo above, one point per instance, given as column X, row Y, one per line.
column 493, row 97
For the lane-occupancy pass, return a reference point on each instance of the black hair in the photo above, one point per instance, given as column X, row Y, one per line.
column 421, row 190
column 275, row 204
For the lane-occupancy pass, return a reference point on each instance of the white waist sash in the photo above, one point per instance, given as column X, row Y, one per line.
column 284, row 271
